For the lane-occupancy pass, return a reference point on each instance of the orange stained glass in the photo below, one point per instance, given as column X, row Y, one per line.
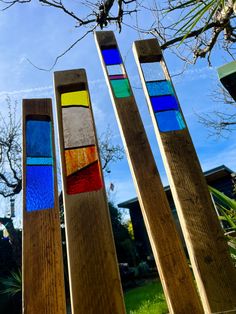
column 80, row 98
column 79, row 158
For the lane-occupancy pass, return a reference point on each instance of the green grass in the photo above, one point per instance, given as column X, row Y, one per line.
column 147, row 299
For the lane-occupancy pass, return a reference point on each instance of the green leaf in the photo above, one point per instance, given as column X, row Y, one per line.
column 224, row 199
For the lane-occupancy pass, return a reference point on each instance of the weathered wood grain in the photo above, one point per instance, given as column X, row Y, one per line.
column 207, row 247
column 173, row 269
column 43, row 276
column 93, row 269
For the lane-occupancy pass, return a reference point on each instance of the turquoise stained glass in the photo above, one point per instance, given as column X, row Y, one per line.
column 171, row 120
column 39, row 161
column 111, row 56
column 121, row 88
column 38, row 138
column 39, row 188
column 162, row 103
column 160, row 88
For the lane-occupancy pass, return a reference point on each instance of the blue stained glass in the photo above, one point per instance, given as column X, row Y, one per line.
column 39, row 188
column 39, row 161
column 111, row 56
column 160, row 88
column 170, row 121
column 38, row 138
column 162, row 103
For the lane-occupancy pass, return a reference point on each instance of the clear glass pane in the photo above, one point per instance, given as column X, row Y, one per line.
column 115, row 69
column 152, row 71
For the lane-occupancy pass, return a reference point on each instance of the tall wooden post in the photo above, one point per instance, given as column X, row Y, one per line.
column 227, row 76
column 172, row 266
column 43, row 276
column 93, row 269
column 208, row 251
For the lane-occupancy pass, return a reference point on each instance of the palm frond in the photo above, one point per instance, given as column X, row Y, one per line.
column 12, row 284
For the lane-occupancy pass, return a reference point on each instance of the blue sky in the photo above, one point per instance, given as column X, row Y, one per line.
column 40, row 34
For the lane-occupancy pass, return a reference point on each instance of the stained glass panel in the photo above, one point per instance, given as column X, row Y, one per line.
column 80, row 98
column 39, row 188
column 77, row 127
column 76, row 159
column 160, row 88
column 39, row 161
column 38, row 138
column 170, row 121
column 117, row 77
column 121, row 88
column 162, row 103
column 152, row 71
column 115, row 69
column 85, row 180
column 111, row 56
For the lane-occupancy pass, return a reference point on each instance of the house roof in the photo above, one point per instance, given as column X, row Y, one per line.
column 211, row 175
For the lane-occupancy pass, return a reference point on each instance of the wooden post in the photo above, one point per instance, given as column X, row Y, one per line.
column 174, row 272
column 227, row 76
column 93, row 269
column 208, row 250
column 43, row 276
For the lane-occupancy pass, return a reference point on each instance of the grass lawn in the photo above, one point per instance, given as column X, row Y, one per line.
column 147, row 299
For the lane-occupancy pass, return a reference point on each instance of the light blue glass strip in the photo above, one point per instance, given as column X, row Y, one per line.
column 39, row 161
column 169, row 121
column 160, row 88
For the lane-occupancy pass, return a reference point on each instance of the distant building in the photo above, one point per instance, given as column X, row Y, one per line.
column 220, row 178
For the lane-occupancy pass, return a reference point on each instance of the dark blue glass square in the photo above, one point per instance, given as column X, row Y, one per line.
column 111, row 56
column 160, row 88
column 38, row 138
column 162, row 103
column 171, row 120
column 39, row 188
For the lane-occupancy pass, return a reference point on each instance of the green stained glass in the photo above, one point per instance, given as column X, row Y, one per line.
column 121, row 88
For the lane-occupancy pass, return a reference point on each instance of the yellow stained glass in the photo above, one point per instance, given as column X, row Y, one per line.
column 80, row 98
column 79, row 158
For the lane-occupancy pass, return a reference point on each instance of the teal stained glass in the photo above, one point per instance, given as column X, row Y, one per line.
column 159, row 88
column 39, row 188
column 121, row 88
column 38, row 138
column 39, row 161
column 171, row 120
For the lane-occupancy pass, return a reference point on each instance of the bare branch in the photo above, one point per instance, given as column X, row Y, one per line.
column 108, row 151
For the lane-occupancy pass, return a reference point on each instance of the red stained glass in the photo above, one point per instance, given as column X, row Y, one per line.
column 85, row 180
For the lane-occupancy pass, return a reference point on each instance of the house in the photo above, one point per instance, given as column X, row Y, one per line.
column 220, row 178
